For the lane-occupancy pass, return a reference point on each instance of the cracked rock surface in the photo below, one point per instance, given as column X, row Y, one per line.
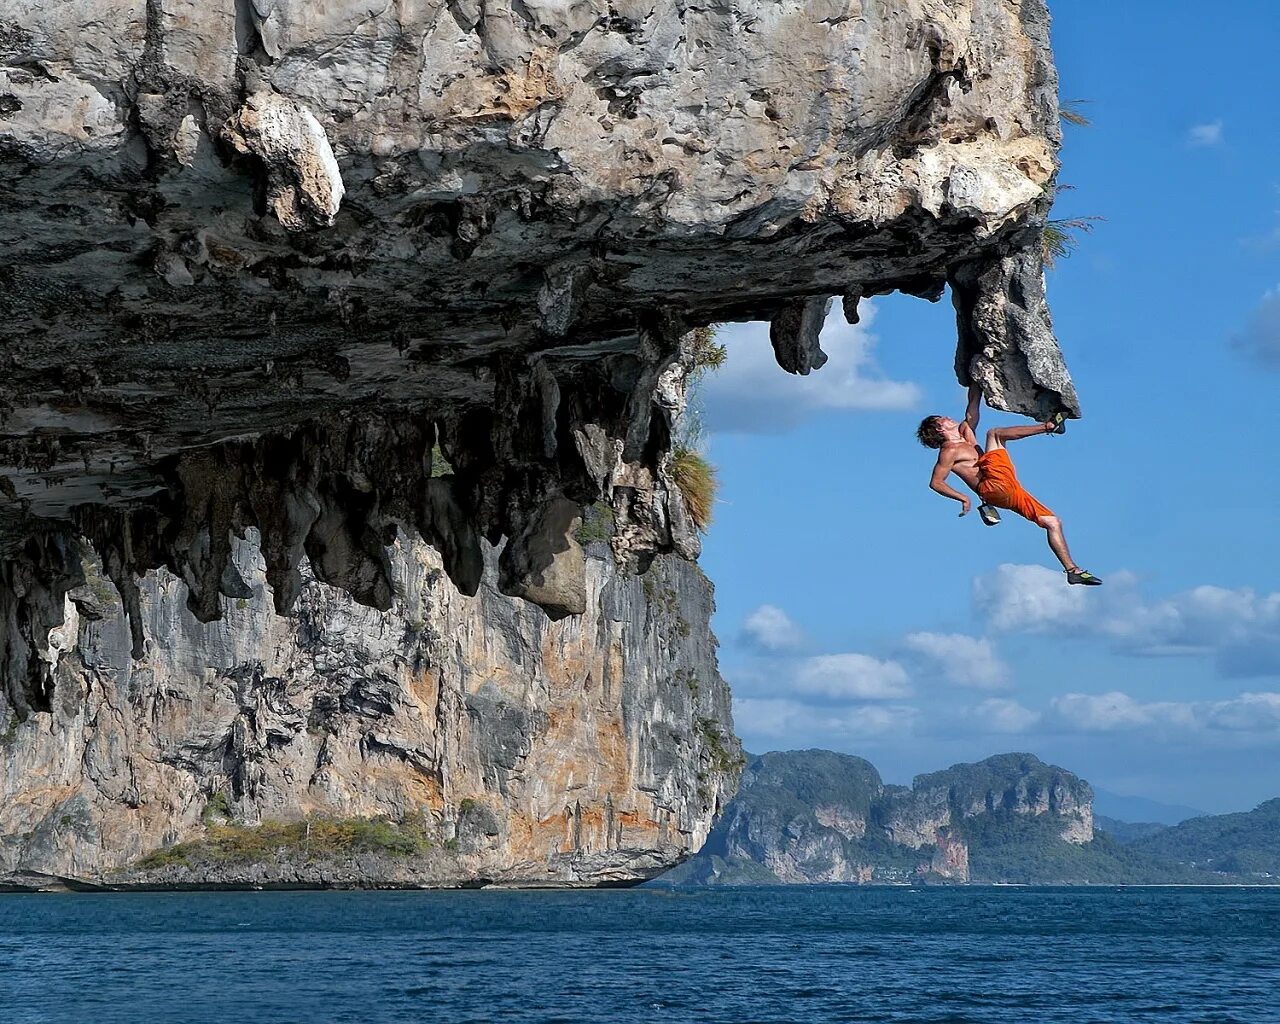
column 595, row 750
column 328, row 271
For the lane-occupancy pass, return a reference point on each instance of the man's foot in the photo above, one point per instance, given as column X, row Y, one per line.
column 1056, row 424
column 989, row 514
column 1078, row 575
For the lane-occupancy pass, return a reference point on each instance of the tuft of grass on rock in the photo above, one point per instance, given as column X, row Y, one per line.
column 696, row 478
column 1063, row 235
column 705, row 353
column 1072, row 112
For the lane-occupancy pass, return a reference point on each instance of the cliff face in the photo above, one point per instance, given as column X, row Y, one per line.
column 334, row 276
column 801, row 816
column 817, row 816
column 589, row 751
column 1016, row 783
column 261, row 261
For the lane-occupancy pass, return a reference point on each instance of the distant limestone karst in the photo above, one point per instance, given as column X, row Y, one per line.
column 814, row 816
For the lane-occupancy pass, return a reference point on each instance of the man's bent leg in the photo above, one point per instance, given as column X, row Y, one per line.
column 997, row 436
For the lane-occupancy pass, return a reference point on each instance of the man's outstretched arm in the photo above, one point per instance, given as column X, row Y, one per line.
column 971, row 414
column 938, row 483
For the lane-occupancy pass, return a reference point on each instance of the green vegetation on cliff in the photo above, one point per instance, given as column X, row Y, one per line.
column 311, row 839
column 1007, row 780
column 1126, row 832
column 813, row 778
column 1009, row 847
column 1247, row 843
column 723, row 759
column 596, row 525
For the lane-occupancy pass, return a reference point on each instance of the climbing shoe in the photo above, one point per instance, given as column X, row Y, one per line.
column 989, row 514
column 1059, row 421
column 1078, row 575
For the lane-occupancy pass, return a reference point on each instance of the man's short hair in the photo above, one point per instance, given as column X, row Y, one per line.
column 929, row 432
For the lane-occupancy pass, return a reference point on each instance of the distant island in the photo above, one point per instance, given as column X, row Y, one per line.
column 815, row 816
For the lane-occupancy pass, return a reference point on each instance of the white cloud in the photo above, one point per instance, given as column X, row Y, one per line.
column 1116, row 711
column 1006, row 716
column 752, row 394
column 1250, row 712
column 1207, row 134
column 769, row 628
column 1111, row 711
column 1260, row 339
column 1203, row 620
column 1240, row 629
column 963, row 660
column 1030, row 598
column 851, row 677
column 774, row 719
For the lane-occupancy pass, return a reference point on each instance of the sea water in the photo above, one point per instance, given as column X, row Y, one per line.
column 824, row 953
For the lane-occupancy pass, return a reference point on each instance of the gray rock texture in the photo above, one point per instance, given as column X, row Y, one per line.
column 595, row 750
column 261, row 259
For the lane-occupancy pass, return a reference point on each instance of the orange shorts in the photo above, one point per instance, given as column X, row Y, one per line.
column 998, row 485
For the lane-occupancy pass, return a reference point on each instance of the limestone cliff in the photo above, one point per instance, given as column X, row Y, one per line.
column 1016, row 783
column 262, row 262
column 595, row 750
column 818, row 816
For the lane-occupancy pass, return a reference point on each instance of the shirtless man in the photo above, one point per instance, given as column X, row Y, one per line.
column 990, row 474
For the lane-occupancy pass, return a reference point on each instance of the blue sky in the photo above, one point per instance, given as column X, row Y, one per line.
column 856, row 611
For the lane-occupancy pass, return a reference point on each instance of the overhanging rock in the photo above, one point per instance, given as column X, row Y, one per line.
column 329, row 272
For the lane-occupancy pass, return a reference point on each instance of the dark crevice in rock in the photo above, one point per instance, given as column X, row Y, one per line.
column 908, row 126
column 248, row 37
column 34, row 582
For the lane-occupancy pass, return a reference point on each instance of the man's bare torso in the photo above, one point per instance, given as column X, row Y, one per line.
column 961, row 458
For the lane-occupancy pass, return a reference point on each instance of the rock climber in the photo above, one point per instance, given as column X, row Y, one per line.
column 990, row 474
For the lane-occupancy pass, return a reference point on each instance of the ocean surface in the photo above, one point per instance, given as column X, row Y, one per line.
column 779, row 954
